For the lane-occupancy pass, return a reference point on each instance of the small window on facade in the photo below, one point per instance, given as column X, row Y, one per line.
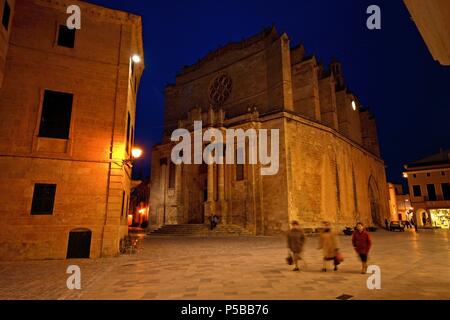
column 6, row 15
column 446, row 191
column 431, row 192
column 239, row 172
column 417, row 191
column 239, row 166
column 127, row 205
column 127, row 148
column 66, row 37
column 428, row 174
column 56, row 114
column 122, row 212
column 43, row 199
column 442, row 173
column 132, row 137
column 414, row 175
column 172, row 175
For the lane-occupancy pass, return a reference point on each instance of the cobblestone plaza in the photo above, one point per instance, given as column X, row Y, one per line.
column 413, row 266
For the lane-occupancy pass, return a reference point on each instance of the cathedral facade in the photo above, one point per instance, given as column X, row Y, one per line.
column 329, row 160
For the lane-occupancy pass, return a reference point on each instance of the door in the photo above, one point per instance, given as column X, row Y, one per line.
column 79, row 246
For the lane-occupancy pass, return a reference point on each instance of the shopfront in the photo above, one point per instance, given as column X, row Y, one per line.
column 440, row 218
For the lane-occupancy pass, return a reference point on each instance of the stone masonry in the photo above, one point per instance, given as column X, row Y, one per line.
column 330, row 165
column 92, row 183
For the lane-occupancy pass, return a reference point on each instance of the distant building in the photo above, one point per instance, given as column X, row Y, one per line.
column 429, row 188
column 139, row 203
column 399, row 203
column 432, row 18
column 67, row 114
column 330, row 166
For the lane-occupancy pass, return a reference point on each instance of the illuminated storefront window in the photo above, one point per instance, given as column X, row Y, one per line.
column 440, row 218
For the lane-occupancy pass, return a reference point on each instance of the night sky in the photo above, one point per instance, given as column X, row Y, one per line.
column 390, row 70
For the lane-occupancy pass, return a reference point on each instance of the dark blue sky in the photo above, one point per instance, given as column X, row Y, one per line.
column 391, row 70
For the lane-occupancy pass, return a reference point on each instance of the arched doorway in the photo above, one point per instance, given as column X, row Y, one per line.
column 422, row 217
column 79, row 246
column 374, row 200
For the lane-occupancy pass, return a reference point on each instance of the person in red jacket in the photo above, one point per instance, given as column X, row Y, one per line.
column 362, row 243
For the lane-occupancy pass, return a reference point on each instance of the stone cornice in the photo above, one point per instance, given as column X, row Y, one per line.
column 94, row 11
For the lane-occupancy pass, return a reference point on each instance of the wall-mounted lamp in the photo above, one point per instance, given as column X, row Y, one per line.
column 136, row 58
column 135, row 154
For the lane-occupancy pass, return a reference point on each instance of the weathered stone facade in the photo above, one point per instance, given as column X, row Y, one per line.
column 330, row 166
column 92, row 182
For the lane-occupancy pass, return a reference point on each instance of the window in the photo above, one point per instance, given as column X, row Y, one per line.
column 442, row 173
column 123, row 204
column 446, row 191
column 417, row 191
column 66, row 37
column 43, row 199
column 414, row 175
column 239, row 172
column 127, row 148
column 428, row 174
column 6, row 15
column 203, row 168
column 132, row 137
column 239, row 166
column 56, row 114
column 172, row 173
column 431, row 192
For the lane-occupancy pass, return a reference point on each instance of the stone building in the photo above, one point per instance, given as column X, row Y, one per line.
column 399, row 203
column 432, row 19
column 429, row 189
column 67, row 114
column 329, row 162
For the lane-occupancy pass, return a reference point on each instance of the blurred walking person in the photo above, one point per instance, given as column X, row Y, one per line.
column 328, row 242
column 362, row 243
column 296, row 241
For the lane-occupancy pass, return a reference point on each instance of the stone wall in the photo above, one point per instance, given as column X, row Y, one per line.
column 87, row 167
column 326, row 162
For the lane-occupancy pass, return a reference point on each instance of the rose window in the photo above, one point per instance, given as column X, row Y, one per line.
column 220, row 89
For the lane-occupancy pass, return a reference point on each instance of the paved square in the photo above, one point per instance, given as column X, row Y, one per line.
column 413, row 266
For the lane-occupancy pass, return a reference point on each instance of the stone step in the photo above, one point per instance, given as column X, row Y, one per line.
column 199, row 230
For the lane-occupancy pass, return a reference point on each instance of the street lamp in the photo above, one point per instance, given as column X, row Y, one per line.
column 135, row 154
column 136, row 58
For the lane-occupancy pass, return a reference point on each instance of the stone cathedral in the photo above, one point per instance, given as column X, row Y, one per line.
column 329, row 161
